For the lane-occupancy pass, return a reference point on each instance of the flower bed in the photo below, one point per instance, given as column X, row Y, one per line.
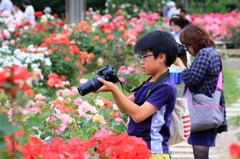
column 41, row 111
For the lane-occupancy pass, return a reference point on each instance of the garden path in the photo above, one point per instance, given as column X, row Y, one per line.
column 184, row 150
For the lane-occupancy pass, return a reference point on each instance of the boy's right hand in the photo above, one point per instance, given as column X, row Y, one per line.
column 107, row 86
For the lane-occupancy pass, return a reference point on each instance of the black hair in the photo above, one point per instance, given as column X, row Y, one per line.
column 158, row 42
column 26, row 2
column 177, row 19
column 180, row 5
column 183, row 10
column 17, row 4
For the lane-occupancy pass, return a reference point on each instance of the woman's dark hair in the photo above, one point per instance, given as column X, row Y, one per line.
column 17, row 4
column 183, row 10
column 26, row 2
column 177, row 19
column 158, row 42
column 197, row 37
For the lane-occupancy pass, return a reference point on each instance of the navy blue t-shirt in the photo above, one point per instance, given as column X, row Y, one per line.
column 155, row 129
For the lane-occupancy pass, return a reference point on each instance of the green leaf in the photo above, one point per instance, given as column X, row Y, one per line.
column 7, row 85
column 37, row 120
column 17, row 154
column 22, row 139
column 6, row 128
column 4, row 155
column 2, row 144
column 19, row 96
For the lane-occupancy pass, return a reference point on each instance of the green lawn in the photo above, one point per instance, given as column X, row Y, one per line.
column 230, row 87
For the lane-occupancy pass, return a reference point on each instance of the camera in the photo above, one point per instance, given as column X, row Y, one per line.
column 181, row 50
column 107, row 73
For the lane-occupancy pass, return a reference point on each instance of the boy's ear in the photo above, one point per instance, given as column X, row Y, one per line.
column 162, row 57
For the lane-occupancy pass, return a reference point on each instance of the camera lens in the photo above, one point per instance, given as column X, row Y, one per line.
column 90, row 86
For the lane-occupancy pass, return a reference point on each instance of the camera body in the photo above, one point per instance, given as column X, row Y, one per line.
column 182, row 51
column 107, row 73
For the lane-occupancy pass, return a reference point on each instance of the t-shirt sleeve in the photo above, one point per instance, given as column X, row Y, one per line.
column 160, row 96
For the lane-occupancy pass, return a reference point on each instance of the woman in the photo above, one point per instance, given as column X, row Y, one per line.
column 201, row 77
column 177, row 23
column 29, row 11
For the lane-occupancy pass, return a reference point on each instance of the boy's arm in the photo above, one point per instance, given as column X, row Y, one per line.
column 131, row 97
column 138, row 113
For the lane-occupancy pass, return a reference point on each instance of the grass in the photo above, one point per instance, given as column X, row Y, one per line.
column 230, row 87
column 231, row 92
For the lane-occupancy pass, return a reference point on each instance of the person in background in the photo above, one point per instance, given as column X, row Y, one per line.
column 47, row 17
column 150, row 118
column 171, row 9
column 201, row 77
column 17, row 12
column 179, row 6
column 183, row 13
column 177, row 23
column 165, row 10
column 29, row 11
column 6, row 5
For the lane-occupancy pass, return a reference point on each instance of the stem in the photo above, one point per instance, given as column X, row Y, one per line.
column 13, row 147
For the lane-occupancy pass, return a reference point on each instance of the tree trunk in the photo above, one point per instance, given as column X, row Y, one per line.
column 75, row 10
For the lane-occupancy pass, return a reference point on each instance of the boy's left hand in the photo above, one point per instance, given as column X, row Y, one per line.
column 107, row 86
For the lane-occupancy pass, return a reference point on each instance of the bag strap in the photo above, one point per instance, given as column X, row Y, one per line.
column 219, row 83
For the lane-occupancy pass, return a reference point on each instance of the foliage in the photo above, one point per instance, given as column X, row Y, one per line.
column 103, row 144
column 212, row 6
column 132, row 8
column 52, row 110
column 57, row 6
column 59, row 120
column 112, row 38
column 220, row 26
column 235, row 35
column 34, row 58
column 129, row 75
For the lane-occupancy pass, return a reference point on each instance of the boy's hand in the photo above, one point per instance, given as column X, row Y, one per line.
column 107, row 86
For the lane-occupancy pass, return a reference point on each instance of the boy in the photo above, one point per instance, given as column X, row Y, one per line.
column 150, row 118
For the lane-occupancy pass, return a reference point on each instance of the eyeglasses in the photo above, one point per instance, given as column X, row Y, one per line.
column 143, row 58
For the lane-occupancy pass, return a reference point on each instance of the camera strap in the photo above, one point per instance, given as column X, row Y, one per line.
column 123, row 88
column 159, row 80
column 165, row 76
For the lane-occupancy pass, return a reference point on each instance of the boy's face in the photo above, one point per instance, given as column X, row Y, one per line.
column 149, row 64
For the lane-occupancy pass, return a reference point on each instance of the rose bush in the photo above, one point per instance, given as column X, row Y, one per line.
column 221, row 26
column 59, row 121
